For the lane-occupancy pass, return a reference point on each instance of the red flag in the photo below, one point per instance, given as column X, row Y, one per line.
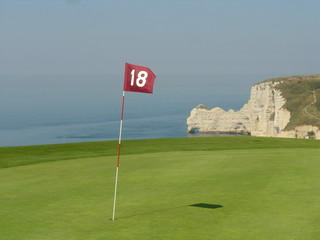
column 138, row 79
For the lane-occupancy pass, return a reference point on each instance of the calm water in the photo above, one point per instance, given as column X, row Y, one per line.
column 157, row 127
column 63, row 109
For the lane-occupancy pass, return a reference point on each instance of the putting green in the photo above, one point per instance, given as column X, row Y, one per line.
column 222, row 194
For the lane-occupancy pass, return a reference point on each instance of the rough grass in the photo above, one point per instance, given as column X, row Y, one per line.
column 315, row 108
column 197, row 188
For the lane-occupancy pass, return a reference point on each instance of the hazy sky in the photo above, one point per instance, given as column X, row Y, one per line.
column 173, row 37
column 62, row 61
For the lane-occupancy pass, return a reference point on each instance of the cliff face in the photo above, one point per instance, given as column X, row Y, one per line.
column 263, row 115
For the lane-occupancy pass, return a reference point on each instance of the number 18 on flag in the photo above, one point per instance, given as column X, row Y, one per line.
column 138, row 79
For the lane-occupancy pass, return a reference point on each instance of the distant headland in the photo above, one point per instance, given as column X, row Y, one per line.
column 278, row 107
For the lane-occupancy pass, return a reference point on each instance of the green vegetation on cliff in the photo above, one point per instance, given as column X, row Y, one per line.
column 303, row 99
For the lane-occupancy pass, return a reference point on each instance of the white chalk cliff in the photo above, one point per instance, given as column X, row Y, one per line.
column 263, row 115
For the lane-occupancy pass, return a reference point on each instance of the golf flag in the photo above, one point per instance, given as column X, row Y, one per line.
column 138, row 79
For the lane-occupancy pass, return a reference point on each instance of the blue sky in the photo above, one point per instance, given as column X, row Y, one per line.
column 236, row 37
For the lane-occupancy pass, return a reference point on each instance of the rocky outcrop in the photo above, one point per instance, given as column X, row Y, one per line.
column 263, row 115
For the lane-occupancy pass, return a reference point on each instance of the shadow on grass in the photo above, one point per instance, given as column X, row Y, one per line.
column 200, row 205
column 206, row 205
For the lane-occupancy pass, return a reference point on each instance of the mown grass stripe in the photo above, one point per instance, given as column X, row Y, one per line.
column 25, row 155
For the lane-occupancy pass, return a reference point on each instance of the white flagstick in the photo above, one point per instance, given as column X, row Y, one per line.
column 118, row 161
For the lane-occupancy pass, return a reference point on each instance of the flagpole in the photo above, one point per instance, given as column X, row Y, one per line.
column 118, row 160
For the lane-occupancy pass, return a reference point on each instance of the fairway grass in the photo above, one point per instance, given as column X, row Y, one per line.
column 265, row 189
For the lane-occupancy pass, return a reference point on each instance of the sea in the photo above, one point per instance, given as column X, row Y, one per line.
column 54, row 109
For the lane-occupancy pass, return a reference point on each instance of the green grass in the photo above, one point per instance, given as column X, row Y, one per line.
column 267, row 189
column 17, row 156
